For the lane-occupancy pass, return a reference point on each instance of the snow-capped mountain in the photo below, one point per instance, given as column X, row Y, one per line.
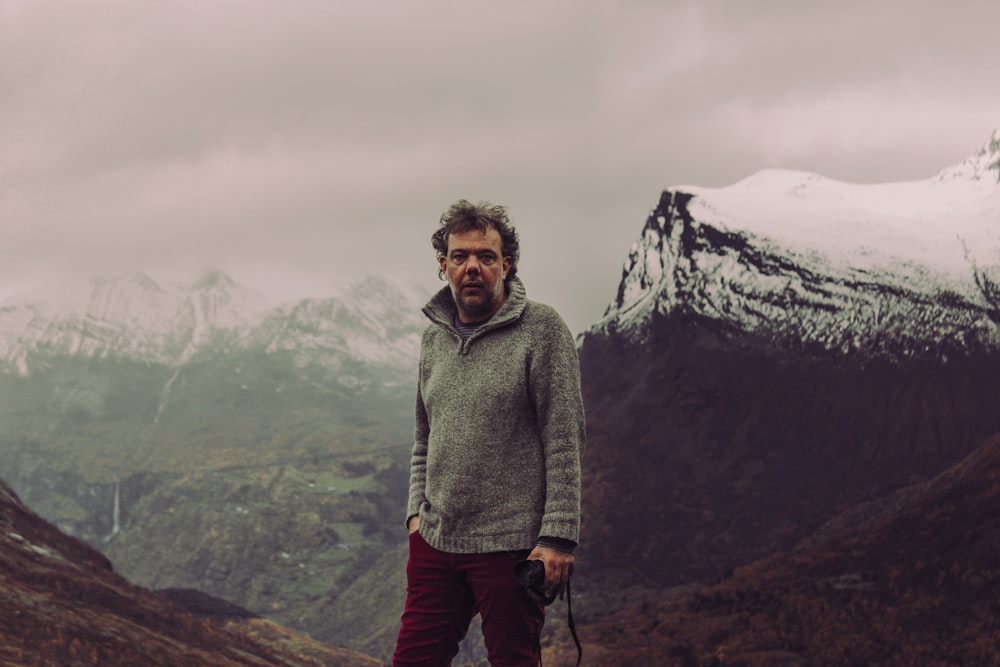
column 373, row 325
column 372, row 321
column 896, row 269
column 136, row 318
column 782, row 349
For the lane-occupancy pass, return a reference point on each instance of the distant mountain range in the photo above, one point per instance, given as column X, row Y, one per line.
column 134, row 318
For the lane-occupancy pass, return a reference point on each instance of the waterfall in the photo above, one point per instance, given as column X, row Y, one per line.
column 165, row 396
column 115, row 513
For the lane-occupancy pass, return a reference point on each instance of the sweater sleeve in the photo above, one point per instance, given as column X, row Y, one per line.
column 418, row 456
column 554, row 383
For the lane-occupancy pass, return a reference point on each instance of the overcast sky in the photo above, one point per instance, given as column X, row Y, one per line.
column 304, row 144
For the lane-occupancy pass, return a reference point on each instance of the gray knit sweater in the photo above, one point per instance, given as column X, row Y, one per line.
column 499, row 429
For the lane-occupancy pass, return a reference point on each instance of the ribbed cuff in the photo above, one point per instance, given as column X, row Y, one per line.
column 568, row 546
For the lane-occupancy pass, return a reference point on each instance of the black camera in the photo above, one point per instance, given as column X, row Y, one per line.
column 531, row 574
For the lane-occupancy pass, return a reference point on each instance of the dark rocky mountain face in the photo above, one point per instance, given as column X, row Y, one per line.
column 910, row 579
column 705, row 451
column 62, row 604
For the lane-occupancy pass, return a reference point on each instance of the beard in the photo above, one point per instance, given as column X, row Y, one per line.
column 476, row 305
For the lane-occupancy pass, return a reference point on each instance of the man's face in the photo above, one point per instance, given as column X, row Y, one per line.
column 476, row 269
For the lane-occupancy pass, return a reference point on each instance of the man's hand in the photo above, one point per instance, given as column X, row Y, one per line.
column 414, row 524
column 558, row 567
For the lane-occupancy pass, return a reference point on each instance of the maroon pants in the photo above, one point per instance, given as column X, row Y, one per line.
column 444, row 591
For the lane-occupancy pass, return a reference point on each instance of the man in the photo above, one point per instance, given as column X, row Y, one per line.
column 495, row 471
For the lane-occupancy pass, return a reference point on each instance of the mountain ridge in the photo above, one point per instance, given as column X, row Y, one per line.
column 135, row 318
column 823, row 265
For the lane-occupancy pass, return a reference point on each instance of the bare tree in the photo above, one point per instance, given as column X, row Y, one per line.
column 989, row 285
column 995, row 150
column 987, row 280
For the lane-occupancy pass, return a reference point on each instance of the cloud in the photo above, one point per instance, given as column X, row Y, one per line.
column 326, row 138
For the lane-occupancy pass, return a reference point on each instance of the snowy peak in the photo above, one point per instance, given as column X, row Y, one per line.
column 123, row 299
column 217, row 303
column 372, row 320
column 212, row 280
column 99, row 297
column 896, row 269
column 129, row 316
column 981, row 167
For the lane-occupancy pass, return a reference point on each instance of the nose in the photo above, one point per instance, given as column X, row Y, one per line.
column 472, row 264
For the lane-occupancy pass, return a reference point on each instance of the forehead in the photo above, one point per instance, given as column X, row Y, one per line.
column 474, row 239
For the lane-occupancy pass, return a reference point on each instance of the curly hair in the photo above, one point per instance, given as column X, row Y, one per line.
column 464, row 216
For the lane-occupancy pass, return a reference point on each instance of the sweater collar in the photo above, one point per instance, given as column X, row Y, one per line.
column 441, row 309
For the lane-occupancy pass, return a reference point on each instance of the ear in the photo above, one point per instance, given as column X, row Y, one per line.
column 507, row 262
column 442, row 263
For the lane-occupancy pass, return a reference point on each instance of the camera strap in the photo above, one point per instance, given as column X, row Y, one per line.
column 572, row 625
column 572, row 629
